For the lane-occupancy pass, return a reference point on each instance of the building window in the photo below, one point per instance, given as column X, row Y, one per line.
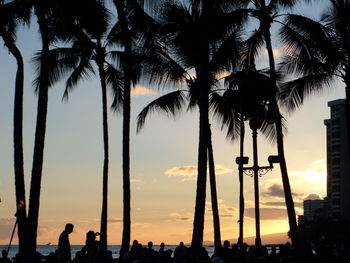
column 336, row 188
column 336, row 148
column 336, row 161
column 336, row 202
column 336, row 121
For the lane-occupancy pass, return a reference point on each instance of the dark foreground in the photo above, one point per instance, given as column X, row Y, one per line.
column 318, row 253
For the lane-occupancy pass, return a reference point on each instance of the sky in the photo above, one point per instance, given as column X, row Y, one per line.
column 163, row 162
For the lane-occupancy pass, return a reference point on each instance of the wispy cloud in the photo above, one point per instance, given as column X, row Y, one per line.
column 281, row 204
column 276, row 52
column 190, row 172
column 139, row 90
column 179, row 217
column 226, row 211
column 136, row 181
column 276, row 190
column 115, row 220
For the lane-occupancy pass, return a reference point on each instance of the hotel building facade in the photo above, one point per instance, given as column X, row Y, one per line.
column 338, row 163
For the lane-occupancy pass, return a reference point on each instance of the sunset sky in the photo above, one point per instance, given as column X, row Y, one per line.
column 163, row 162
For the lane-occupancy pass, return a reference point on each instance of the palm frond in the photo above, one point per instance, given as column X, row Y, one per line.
column 252, row 47
column 114, row 78
column 293, row 93
column 225, row 112
column 170, row 104
column 81, row 72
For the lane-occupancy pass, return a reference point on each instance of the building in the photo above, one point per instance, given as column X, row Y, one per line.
column 313, row 209
column 338, row 164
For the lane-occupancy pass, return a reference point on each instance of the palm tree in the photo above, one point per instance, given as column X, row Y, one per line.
column 201, row 37
column 11, row 14
column 42, row 10
column 134, row 33
column 57, row 20
column 91, row 43
column 318, row 53
column 267, row 12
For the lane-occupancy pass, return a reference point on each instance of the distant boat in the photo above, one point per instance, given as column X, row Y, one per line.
column 48, row 244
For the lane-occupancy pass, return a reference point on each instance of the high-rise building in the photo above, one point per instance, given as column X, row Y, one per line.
column 338, row 162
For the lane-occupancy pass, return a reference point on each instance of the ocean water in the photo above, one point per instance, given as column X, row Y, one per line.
column 47, row 249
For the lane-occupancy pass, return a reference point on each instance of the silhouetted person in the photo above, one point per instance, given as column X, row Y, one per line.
column 180, row 252
column 63, row 253
column 161, row 248
column 4, row 258
column 92, row 246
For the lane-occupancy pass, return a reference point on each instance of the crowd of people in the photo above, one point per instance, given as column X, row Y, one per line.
column 322, row 251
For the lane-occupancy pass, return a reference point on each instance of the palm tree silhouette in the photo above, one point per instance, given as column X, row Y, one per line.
column 318, row 54
column 267, row 13
column 134, row 33
column 91, row 38
column 202, row 47
column 11, row 15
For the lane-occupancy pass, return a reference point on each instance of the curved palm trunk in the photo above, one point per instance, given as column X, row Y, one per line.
column 18, row 143
column 214, row 198
column 39, row 143
column 104, row 213
column 126, row 130
column 280, row 148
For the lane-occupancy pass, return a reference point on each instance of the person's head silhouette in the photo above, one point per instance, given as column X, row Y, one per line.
column 69, row 228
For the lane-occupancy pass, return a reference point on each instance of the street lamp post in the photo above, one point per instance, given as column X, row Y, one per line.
column 255, row 171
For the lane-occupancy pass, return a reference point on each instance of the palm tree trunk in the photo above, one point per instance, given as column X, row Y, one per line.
column 214, row 198
column 126, row 163
column 198, row 222
column 18, row 143
column 126, row 129
column 202, row 73
column 240, row 176
column 280, row 148
column 104, row 213
column 39, row 143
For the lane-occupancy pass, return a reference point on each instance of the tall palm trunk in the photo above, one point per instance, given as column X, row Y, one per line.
column 126, row 165
column 18, row 143
column 240, row 176
column 214, row 198
column 39, row 143
column 126, row 128
column 198, row 222
column 202, row 73
column 280, row 147
column 104, row 213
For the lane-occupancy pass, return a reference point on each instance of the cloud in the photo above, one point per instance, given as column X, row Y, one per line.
column 136, row 181
column 190, row 172
column 282, row 204
column 267, row 213
column 139, row 91
column 313, row 196
column 276, row 190
column 115, row 220
column 316, row 172
column 179, row 217
column 276, row 52
column 225, row 211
